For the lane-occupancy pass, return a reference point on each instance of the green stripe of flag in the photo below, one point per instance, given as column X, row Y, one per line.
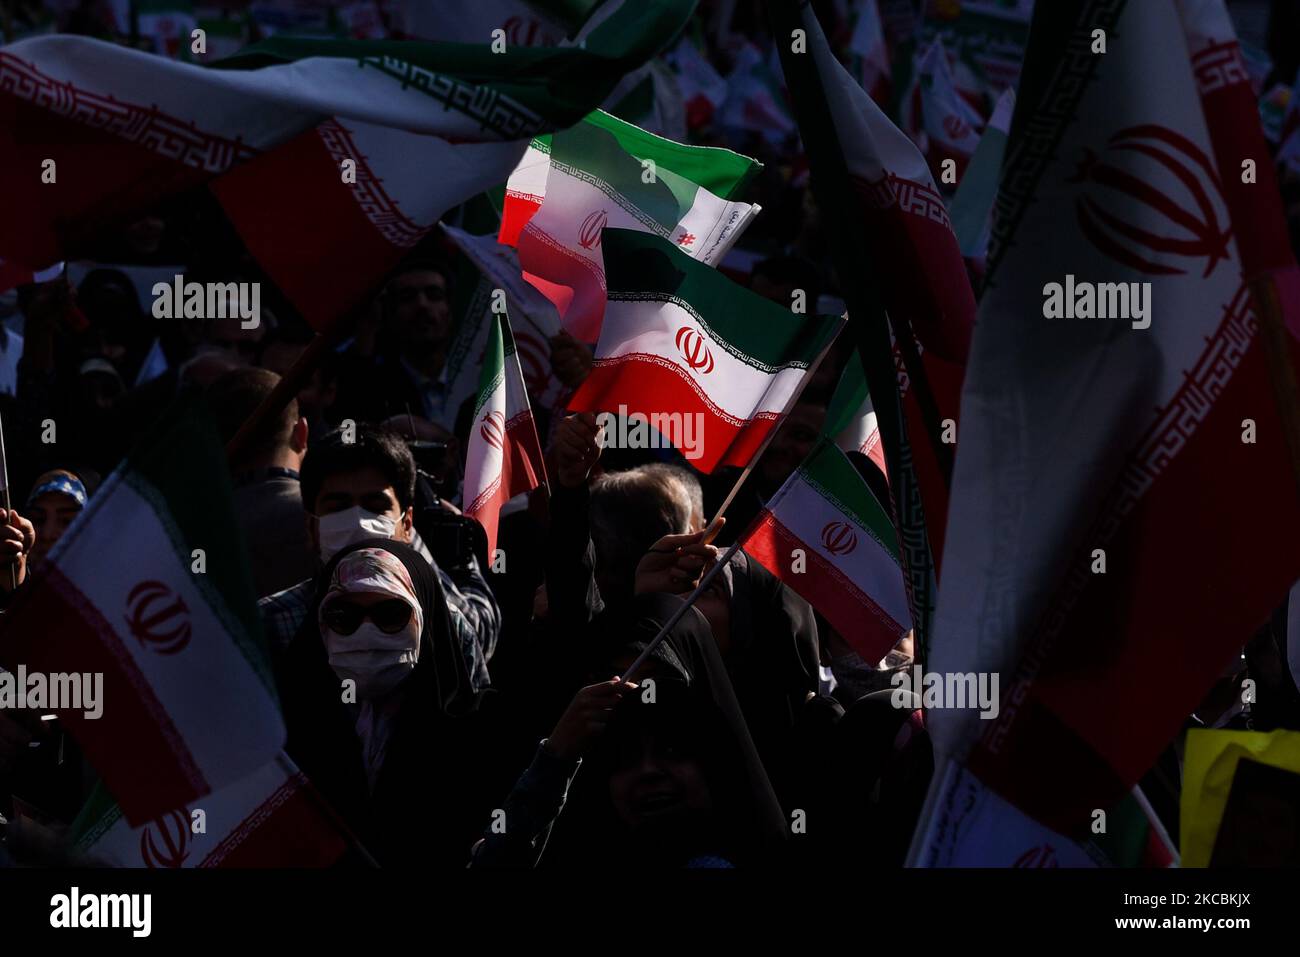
column 833, row 476
column 642, row 265
column 558, row 83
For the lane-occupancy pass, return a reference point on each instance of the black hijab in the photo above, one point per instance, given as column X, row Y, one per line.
column 695, row 706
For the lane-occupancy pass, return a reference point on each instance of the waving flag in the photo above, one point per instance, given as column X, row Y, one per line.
column 1085, row 563
column 319, row 151
column 951, row 124
column 893, row 236
column 150, row 587
column 604, row 172
column 824, row 534
column 680, row 339
column 504, row 458
column 851, row 419
column 273, row 817
column 972, row 204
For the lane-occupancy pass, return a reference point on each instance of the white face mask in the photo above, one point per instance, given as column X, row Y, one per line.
column 340, row 529
column 375, row 661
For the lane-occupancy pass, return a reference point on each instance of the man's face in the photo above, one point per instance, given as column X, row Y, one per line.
column 51, row 514
column 421, row 311
column 793, row 441
column 366, row 488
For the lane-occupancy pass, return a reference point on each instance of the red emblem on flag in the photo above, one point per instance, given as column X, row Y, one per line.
column 694, row 350
column 589, row 231
column 839, row 538
column 955, row 126
column 164, row 843
column 1044, row 856
column 686, row 239
column 493, row 429
column 158, row 618
column 1185, row 219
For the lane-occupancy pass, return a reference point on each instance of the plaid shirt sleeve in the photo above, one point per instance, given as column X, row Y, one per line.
column 283, row 614
column 475, row 618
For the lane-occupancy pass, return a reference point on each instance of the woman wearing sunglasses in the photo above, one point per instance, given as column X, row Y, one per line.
column 380, row 712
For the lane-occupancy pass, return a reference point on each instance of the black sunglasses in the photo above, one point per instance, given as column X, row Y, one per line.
column 345, row 617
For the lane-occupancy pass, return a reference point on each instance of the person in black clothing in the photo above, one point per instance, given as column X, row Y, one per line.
column 667, row 772
column 380, row 712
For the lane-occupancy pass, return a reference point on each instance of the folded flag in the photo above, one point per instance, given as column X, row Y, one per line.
column 272, row 817
column 682, row 344
column 318, row 150
column 605, row 172
column 504, row 458
column 150, row 587
column 824, row 534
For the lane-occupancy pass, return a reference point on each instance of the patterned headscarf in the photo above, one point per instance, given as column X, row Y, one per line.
column 374, row 571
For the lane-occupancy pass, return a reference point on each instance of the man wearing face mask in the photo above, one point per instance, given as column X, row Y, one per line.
column 366, row 489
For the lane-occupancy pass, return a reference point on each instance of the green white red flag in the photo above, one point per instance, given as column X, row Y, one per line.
column 951, row 124
column 1112, row 577
column 851, row 419
column 977, row 191
column 604, row 172
column 150, row 588
column 319, row 151
column 824, row 534
column 504, row 458
column 273, row 817
column 680, row 339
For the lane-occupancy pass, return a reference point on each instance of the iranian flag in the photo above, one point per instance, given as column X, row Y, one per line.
column 972, row 204
column 1124, row 509
column 894, row 238
column 824, row 534
column 972, row 826
column 601, row 173
column 951, row 124
column 504, row 458
column 150, row 588
column 851, row 419
column 273, row 817
column 680, row 339
column 330, row 158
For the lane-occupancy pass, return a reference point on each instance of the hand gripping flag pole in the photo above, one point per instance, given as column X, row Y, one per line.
column 4, row 478
column 715, row 526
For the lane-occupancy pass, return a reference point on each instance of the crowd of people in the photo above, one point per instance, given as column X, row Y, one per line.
column 494, row 721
